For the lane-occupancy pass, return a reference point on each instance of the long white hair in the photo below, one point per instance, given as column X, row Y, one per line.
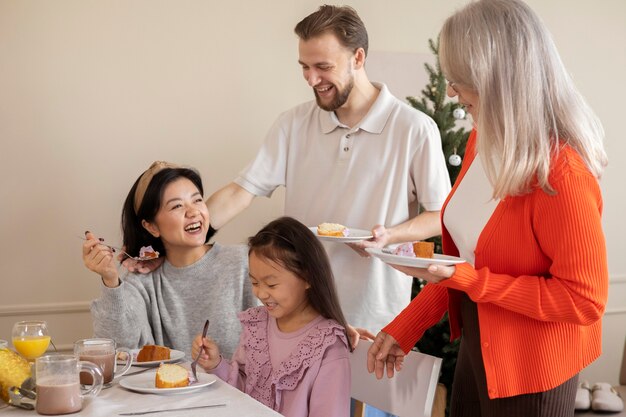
column 528, row 104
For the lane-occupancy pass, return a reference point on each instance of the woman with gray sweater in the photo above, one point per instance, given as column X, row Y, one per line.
column 165, row 209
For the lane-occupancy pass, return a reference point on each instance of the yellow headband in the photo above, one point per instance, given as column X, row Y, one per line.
column 145, row 179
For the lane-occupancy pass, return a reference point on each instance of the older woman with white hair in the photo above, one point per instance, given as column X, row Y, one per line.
column 525, row 213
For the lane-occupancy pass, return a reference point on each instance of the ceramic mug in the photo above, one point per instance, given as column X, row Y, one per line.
column 102, row 352
column 58, row 384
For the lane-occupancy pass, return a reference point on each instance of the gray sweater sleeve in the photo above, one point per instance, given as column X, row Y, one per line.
column 121, row 313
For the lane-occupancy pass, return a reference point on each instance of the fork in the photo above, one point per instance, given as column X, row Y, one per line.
column 194, row 364
column 115, row 248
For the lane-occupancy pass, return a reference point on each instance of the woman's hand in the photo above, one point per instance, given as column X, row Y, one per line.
column 384, row 352
column 432, row 274
column 358, row 333
column 380, row 240
column 99, row 259
column 210, row 356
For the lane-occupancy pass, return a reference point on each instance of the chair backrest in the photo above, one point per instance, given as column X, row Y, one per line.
column 410, row 393
column 622, row 374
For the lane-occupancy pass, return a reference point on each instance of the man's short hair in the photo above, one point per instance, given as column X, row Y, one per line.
column 342, row 21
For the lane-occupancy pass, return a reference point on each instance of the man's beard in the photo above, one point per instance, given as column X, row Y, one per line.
column 341, row 96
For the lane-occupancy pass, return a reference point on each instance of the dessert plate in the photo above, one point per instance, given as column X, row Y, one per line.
column 175, row 356
column 356, row 235
column 144, row 383
column 437, row 259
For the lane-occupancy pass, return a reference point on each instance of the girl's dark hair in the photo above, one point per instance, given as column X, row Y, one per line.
column 135, row 235
column 292, row 245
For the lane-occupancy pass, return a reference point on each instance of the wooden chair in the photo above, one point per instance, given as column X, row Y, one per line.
column 410, row 393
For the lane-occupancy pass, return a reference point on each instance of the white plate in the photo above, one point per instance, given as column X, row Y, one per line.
column 437, row 259
column 175, row 356
column 356, row 235
column 145, row 383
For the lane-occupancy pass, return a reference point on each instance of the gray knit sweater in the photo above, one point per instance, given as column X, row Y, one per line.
column 169, row 305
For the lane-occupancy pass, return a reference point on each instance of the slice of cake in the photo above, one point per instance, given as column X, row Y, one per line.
column 146, row 252
column 150, row 353
column 332, row 229
column 424, row 249
column 171, row 376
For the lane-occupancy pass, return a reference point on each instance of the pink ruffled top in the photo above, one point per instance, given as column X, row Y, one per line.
column 312, row 376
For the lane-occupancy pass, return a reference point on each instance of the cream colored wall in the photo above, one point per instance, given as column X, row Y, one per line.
column 91, row 92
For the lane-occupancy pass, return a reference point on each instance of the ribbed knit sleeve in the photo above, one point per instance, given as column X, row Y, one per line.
column 423, row 312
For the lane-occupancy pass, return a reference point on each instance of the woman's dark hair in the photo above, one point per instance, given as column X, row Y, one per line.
column 134, row 234
column 292, row 245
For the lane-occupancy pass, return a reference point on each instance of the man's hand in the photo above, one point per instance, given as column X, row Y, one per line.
column 385, row 352
column 379, row 240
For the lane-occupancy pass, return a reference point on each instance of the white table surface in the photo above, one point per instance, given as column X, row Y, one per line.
column 116, row 399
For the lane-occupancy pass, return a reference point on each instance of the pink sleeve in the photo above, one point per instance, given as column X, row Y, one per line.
column 330, row 392
column 233, row 371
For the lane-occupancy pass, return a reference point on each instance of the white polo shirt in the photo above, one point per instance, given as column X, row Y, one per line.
column 359, row 177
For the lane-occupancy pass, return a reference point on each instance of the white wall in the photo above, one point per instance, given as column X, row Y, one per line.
column 91, row 92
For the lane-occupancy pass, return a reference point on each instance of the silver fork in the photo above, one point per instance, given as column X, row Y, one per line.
column 194, row 364
column 115, row 248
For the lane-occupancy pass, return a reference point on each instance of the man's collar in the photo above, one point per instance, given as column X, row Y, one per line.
column 373, row 122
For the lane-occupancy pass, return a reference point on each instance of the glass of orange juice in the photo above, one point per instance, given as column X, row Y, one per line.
column 30, row 338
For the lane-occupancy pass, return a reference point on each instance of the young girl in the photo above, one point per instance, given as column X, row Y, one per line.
column 293, row 351
column 168, row 306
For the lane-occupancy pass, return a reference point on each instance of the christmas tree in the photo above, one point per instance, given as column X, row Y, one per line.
column 446, row 113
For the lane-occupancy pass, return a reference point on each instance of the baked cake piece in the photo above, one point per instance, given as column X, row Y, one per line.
column 332, row 229
column 424, row 249
column 150, row 353
column 171, row 376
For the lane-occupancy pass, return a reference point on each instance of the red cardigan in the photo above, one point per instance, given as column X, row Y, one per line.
column 540, row 283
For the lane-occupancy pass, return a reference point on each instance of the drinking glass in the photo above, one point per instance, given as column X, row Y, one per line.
column 102, row 352
column 58, row 387
column 30, row 338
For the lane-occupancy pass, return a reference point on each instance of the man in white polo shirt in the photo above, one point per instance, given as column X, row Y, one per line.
column 356, row 156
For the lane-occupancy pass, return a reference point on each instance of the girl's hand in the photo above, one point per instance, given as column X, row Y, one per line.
column 99, row 259
column 432, row 274
column 358, row 333
column 384, row 352
column 210, row 356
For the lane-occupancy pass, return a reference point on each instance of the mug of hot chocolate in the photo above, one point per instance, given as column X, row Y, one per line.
column 104, row 353
column 58, row 385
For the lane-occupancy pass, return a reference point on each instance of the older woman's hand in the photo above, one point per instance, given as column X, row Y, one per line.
column 385, row 352
column 432, row 274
